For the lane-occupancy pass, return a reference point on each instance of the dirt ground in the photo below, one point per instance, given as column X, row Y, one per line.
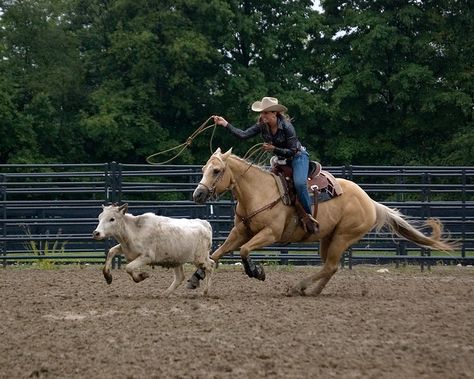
column 404, row 323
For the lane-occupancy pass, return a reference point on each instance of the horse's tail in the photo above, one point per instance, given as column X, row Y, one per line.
column 401, row 226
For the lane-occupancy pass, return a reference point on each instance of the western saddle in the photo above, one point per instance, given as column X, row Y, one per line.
column 321, row 184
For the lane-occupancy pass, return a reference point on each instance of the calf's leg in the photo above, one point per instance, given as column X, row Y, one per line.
column 117, row 249
column 135, row 265
column 178, row 279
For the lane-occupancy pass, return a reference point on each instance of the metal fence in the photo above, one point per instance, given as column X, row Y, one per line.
column 47, row 212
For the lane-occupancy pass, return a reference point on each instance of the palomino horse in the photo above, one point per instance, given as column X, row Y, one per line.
column 262, row 219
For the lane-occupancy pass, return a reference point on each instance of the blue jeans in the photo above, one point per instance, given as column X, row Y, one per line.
column 300, row 165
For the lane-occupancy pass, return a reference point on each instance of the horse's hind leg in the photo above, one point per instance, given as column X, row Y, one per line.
column 332, row 250
column 324, row 247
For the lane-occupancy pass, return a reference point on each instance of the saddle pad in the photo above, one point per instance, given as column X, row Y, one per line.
column 282, row 189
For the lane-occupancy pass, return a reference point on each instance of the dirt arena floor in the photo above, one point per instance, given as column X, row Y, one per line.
column 404, row 323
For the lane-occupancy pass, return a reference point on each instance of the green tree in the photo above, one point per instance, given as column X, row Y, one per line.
column 265, row 52
column 393, row 94
column 39, row 58
column 380, row 82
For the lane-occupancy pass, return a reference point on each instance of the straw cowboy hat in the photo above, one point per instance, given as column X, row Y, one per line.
column 268, row 104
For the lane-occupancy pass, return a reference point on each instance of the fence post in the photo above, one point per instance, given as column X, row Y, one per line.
column 463, row 207
column 113, row 182
column 283, row 259
column 114, row 192
column 3, row 192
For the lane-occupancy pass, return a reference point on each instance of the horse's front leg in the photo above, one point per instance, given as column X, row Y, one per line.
column 264, row 238
column 237, row 236
column 117, row 249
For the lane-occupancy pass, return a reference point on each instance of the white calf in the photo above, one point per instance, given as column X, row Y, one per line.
column 149, row 239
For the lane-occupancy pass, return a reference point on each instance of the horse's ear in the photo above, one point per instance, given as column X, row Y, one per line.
column 123, row 208
column 227, row 154
column 218, row 151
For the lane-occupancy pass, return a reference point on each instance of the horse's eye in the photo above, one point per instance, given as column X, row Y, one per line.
column 216, row 171
column 112, row 219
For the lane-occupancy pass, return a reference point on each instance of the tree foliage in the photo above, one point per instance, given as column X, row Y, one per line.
column 366, row 82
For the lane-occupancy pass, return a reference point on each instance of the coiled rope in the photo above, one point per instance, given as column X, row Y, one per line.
column 261, row 155
column 184, row 145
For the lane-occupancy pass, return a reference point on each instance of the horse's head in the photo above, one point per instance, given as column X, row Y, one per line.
column 215, row 179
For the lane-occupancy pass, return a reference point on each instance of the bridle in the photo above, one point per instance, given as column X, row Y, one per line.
column 212, row 188
column 214, row 196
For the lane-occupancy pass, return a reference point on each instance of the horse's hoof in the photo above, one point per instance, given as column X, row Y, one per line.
column 295, row 291
column 259, row 273
column 192, row 283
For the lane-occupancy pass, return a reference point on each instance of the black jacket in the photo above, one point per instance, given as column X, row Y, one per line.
column 285, row 140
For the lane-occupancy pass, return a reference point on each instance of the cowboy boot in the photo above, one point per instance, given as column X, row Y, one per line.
column 310, row 224
column 314, row 223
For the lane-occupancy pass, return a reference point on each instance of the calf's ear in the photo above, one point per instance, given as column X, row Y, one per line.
column 123, row 208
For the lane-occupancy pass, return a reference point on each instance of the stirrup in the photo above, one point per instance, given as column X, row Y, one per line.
column 315, row 222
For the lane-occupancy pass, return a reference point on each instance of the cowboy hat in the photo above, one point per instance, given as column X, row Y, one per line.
column 268, row 104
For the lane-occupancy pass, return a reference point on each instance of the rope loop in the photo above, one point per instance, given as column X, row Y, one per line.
column 184, row 145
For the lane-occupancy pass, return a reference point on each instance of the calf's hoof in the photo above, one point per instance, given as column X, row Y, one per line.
column 107, row 276
column 140, row 277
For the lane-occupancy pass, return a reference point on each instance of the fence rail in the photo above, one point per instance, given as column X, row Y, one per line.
column 49, row 211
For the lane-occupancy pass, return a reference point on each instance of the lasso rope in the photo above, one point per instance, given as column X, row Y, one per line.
column 261, row 155
column 184, row 145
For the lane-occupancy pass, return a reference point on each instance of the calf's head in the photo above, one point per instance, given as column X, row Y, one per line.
column 109, row 221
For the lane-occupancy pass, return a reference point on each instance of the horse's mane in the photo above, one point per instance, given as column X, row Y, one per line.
column 250, row 163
